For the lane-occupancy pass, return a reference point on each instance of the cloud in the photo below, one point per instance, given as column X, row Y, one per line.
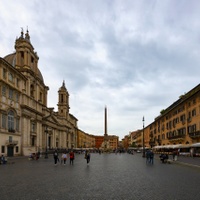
column 133, row 57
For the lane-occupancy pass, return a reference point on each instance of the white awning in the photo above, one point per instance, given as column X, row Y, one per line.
column 196, row 145
column 168, row 146
column 176, row 146
column 157, row 147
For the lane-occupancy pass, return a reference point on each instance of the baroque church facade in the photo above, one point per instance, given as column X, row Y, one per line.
column 27, row 125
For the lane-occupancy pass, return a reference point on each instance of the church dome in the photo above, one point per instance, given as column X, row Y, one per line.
column 11, row 59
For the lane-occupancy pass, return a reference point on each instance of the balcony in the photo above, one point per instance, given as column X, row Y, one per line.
column 152, row 143
column 11, row 142
column 33, row 133
column 176, row 137
column 183, row 122
column 11, row 130
column 158, row 141
column 151, row 135
column 195, row 134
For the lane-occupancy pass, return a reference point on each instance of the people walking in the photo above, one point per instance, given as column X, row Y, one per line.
column 87, row 156
column 175, row 153
column 192, row 152
column 37, row 155
column 148, row 156
column 151, row 156
column 3, row 160
column 64, row 158
column 71, row 157
column 55, row 155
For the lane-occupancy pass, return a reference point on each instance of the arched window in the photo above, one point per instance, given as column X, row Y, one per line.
column 32, row 90
column 11, row 121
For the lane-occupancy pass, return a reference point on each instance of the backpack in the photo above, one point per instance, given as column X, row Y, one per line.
column 71, row 155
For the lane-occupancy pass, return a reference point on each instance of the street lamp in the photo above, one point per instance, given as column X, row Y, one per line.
column 143, row 155
column 46, row 153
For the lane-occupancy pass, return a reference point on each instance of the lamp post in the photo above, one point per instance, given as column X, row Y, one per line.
column 143, row 153
column 46, row 153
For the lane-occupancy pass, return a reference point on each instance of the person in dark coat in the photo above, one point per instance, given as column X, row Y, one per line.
column 87, row 156
column 151, row 156
column 55, row 156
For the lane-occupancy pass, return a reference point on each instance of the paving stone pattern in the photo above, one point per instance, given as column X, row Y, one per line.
column 107, row 177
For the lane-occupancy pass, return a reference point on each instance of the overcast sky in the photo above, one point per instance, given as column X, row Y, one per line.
column 134, row 56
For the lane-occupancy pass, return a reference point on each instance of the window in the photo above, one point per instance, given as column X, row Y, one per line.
column 17, row 82
column 32, row 59
column 10, row 77
column 32, row 90
column 17, row 97
column 193, row 112
column 33, row 127
column 17, row 149
column 182, row 118
column 170, row 124
column 192, row 129
column 3, row 124
column 4, row 73
column 182, row 131
column 40, row 96
column 17, row 124
column 22, row 54
column 189, row 114
column 2, row 149
column 22, row 57
column 10, row 139
column 11, row 121
column 3, row 90
column 10, row 93
column 174, row 123
column 32, row 141
column 167, row 125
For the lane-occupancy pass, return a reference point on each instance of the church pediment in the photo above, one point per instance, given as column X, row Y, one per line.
column 51, row 118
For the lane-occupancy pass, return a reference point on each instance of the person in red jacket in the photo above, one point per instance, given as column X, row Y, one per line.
column 71, row 157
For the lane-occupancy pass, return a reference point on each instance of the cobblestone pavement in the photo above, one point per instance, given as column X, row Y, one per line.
column 108, row 177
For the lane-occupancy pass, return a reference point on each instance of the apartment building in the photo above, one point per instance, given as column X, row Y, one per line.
column 177, row 124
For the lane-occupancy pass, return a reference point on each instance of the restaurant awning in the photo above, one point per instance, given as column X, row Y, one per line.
column 196, row 145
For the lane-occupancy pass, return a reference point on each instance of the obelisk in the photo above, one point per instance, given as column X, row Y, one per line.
column 105, row 131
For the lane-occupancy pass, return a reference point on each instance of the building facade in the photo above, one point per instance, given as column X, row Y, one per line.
column 27, row 125
column 98, row 141
column 85, row 140
column 177, row 126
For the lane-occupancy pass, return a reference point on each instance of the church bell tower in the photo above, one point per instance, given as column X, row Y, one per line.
column 26, row 57
column 63, row 101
